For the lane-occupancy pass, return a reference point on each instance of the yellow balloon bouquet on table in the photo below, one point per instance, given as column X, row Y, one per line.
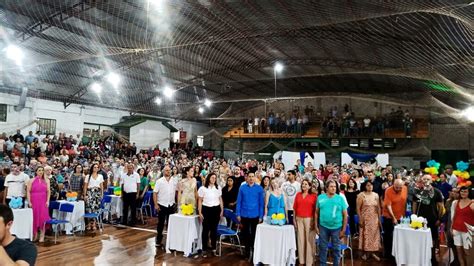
column 187, row 209
column 278, row 219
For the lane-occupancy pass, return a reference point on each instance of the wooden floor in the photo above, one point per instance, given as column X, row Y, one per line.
column 133, row 246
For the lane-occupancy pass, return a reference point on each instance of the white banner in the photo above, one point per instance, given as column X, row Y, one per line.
column 288, row 158
column 382, row 159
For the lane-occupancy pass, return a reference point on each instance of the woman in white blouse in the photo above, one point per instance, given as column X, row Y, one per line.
column 93, row 191
column 211, row 209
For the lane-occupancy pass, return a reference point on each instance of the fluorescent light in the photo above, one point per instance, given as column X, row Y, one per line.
column 201, row 110
column 278, row 67
column 158, row 100
column 468, row 113
column 14, row 53
column 168, row 92
column 114, row 79
column 96, row 87
column 207, row 103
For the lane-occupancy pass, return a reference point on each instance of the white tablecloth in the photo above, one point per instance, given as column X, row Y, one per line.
column 275, row 245
column 412, row 247
column 22, row 225
column 184, row 234
column 76, row 218
column 116, row 206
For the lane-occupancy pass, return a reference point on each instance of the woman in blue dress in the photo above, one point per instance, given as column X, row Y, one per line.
column 275, row 201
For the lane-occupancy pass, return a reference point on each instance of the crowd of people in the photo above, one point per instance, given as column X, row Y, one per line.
column 347, row 124
column 331, row 201
column 296, row 122
column 333, row 125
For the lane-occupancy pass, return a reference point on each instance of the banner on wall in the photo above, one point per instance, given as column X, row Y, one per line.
column 182, row 137
column 380, row 158
column 289, row 158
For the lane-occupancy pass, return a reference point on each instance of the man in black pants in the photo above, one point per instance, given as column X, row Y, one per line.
column 428, row 203
column 249, row 211
column 164, row 197
column 394, row 208
column 130, row 183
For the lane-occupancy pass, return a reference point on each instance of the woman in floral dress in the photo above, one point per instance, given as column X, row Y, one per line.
column 368, row 210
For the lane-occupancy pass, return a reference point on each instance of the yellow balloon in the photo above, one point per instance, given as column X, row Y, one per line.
column 274, row 216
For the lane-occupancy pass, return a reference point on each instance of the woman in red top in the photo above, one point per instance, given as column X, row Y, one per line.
column 463, row 214
column 304, row 208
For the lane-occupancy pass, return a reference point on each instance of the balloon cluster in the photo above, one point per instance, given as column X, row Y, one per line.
column 16, row 202
column 416, row 221
column 432, row 169
column 118, row 191
column 278, row 219
column 71, row 196
column 187, row 209
column 462, row 174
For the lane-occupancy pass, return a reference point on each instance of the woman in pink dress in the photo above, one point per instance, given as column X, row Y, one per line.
column 38, row 194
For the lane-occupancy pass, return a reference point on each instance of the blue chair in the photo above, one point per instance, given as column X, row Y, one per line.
column 110, row 190
column 343, row 246
column 145, row 204
column 224, row 231
column 98, row 216
column 64, row 208
column 54, row 205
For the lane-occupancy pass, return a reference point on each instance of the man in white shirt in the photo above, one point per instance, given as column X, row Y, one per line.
column 164, row 197
column 130, row 183
column 290, row 188
column 452, row 178
column 15, row 184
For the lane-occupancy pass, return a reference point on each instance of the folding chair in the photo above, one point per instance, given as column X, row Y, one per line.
column 98, row 216
column 65, row 208
column 223, row 231
column 343, row 246
column 146, row 204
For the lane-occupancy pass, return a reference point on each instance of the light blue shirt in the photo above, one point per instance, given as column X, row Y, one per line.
column 330, row 210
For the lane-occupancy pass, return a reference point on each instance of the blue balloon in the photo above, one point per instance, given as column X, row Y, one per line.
column 462, row 166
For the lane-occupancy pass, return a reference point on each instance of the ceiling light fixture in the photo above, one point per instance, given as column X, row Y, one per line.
column 207, row 103
column 158, row 100
column 14, row 53
column 96, row 87
column 468, row 113
column 201, row 110
column 168, row 92
column 114, row 79
column 278, row 67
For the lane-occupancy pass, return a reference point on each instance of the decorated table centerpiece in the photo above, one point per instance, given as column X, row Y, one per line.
column 16, row 203
column 417, row 222
column 71, row 196
column 118, row 191
column 187, row 209
column 278, row 219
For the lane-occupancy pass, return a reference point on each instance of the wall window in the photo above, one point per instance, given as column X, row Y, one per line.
column 3, row 112
column 46, row 126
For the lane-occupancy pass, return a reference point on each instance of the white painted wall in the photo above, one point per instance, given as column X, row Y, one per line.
column 71, row 120
column 149, row 134
column 192, row 129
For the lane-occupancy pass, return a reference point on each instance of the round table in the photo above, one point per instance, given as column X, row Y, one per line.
column 412, row 247
column 184, row 234
column 275, row 245
column 22, row 225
